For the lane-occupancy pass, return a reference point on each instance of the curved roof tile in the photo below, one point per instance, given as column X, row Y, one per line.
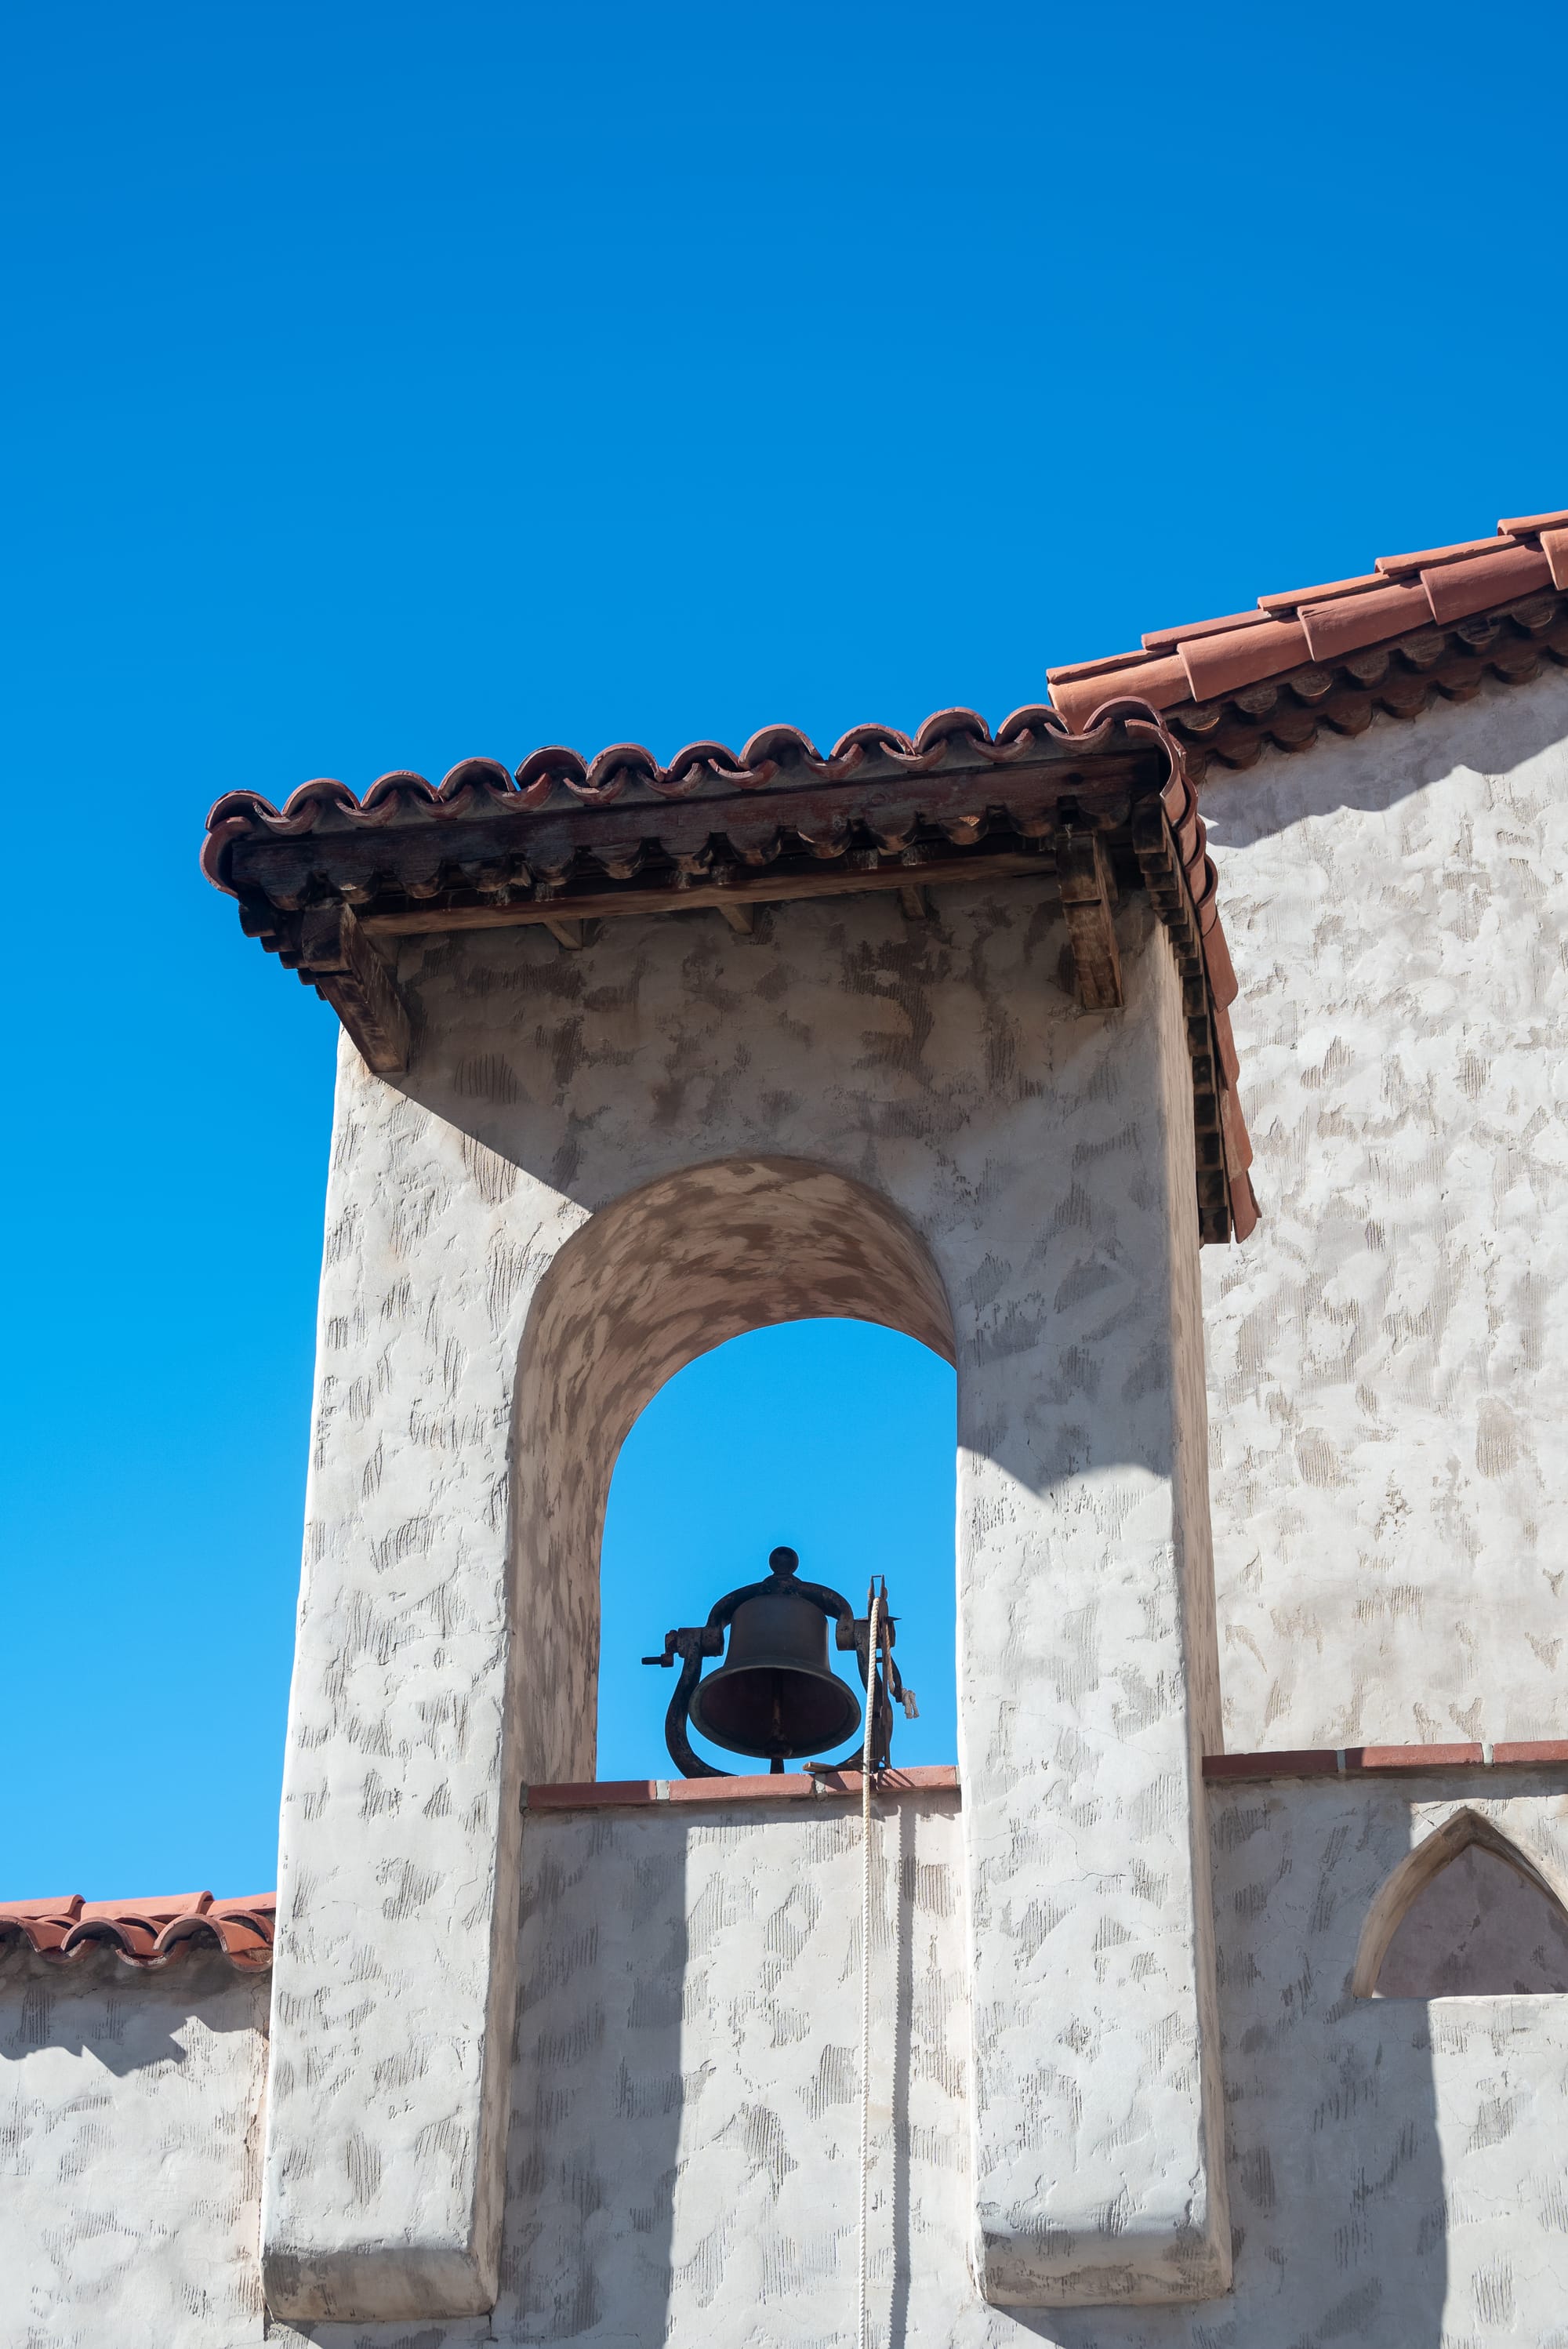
column 147, row 1934
column 1518, row 577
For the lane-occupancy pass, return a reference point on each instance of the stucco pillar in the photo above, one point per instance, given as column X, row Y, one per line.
column 1088, row 1687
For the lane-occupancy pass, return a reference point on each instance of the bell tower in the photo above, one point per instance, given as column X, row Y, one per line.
column 930, row 1032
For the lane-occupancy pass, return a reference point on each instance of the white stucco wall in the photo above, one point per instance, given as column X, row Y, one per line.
column 1388, row 1355
column 682, row 2163
column 682, row 2154
column 131, row 2113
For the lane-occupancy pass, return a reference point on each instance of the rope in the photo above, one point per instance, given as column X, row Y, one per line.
column 864, row 2334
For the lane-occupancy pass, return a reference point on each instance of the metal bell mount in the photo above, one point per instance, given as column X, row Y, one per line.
column 776, row 1696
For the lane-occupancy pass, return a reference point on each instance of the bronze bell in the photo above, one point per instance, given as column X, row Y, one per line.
column 774, row 1696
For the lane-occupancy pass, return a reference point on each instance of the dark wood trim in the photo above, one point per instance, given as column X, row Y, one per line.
column 346, row 970
column 1166, row 882
column 1088, row 895
column 733, row 897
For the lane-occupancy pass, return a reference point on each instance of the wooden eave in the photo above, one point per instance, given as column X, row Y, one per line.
column 330, row 882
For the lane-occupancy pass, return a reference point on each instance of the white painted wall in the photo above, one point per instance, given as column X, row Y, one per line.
column 681, row 2163
column 1388, row 1355
column 130, row 2116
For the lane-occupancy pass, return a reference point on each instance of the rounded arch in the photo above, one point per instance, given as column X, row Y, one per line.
column 662, row 1275
column 1403, row 1886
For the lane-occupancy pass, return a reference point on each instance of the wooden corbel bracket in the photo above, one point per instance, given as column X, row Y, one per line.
column 1088, row 900
column 340, row 961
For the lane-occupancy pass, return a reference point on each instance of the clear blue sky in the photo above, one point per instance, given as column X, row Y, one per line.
column 391, row 384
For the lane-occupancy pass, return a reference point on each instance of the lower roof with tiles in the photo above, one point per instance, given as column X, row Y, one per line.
column 1416, row 627
column 147, row 1934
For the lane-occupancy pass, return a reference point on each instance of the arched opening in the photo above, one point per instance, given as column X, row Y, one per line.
column 1466, row 1915
column 834, row 1436
column 647, row 1285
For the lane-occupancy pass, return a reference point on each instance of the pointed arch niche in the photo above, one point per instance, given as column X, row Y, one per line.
column 649, row 1282
column 1465, row 1915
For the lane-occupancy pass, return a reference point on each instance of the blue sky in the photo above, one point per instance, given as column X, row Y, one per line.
column 389, row 385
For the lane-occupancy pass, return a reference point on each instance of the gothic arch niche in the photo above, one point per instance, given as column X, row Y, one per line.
column 662, row 1275
column 1465, row 1915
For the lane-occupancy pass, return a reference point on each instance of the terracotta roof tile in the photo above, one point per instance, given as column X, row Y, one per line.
column 1106, row 665
column 148, row 1933
column 1338, row 653
column 1527, row 525
column 1280, row 607
column 1165, row 640
column 1456, row 590
column 1399, row 566
column 1352, row 621
column 1219, row 665
column 1079, row 692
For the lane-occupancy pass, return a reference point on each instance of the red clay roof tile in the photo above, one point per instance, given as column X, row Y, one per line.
column 1398, row 566
column 1105, row 666
column 148, row 1933
column 1281, row 606
column 1354, row 621
column 1457, row 590
column 1297, row 635
column 1078, row 695
column 161, row 1906
column 1165, row 640
column 1525, row 525
column 1219, row 665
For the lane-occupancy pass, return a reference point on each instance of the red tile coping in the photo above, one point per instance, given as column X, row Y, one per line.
column 1358, row 1761
column 1207, row 661
column 148, row 1933
column 792, row 1786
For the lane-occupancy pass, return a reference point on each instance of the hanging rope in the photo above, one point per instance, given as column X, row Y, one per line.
column 864, row 2335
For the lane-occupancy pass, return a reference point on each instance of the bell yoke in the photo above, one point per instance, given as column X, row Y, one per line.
column 775, row 1696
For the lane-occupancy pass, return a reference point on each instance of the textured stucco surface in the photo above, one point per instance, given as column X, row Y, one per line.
column 681, row 2163
column 1040, row 1159
column 1388, row 1355
column 130, row 2112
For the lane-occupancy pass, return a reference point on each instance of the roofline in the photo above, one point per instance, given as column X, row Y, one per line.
column 1416, row 626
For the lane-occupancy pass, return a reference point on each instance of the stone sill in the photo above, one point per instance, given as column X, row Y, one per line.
column 1360, row 1761
column 791, row 1786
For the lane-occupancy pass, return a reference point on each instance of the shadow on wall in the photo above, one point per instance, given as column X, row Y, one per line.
column 710, row 2171
column 598, row 2091
column 1368, row 2212
column 1336, row 2171
column 124, row 2021
column 1466, row 1916
column 1501, row 729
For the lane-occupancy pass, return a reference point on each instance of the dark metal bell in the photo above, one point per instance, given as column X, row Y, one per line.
column 774, row 1695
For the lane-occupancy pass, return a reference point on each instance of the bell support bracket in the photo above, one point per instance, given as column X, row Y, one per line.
column 692, row 1642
